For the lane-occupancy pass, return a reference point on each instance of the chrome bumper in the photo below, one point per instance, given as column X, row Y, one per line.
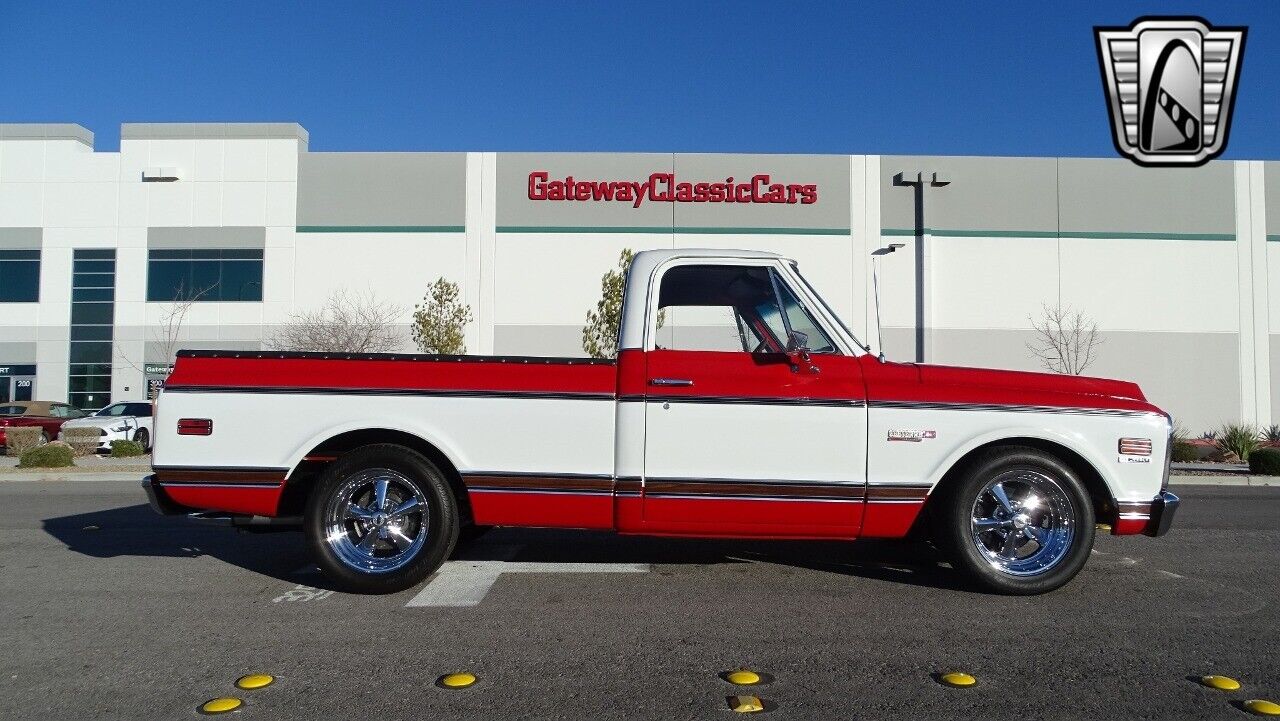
column 160, row 503
column 1163, row 509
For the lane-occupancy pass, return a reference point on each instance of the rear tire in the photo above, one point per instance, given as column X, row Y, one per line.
column 1018, row 521
column 143, row 439
column 44, row 438
column 380, row 519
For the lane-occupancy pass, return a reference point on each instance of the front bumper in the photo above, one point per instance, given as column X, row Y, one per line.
column 159, row 500
column 1163, row 509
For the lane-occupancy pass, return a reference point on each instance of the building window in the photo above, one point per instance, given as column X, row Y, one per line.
column 227, row 275
column 19, row 276
column 93, row 292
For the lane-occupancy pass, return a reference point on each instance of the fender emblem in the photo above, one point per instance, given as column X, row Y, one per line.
column 911, row 436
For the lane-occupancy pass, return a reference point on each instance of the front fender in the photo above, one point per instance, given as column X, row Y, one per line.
column 1072, row 441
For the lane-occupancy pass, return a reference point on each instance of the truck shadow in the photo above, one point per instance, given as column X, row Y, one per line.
column 137, row 531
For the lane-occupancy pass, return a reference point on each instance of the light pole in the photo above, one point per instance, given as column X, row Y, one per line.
column 917, row 180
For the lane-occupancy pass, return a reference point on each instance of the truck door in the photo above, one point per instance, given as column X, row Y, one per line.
column 755, row 421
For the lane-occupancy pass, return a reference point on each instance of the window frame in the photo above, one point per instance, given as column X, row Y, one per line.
column 203, row 255
column 842, row 343
column 37, row 261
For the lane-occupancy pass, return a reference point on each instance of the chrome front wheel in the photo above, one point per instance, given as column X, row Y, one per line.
column 1015, row 520
column 1023, row 523
column 377, row 521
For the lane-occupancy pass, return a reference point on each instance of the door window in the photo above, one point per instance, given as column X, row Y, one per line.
column 716, row 308
column 732, row 308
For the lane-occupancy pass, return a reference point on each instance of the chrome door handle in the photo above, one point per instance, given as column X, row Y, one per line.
column 670, row 382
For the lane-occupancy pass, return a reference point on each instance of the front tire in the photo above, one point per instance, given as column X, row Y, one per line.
column 143, row 439
column 1018, row 522
column 380, row 519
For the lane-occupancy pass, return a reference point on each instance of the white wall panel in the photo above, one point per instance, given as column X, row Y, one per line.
column 169, row 204
column 244, row 160
column 1155, row 285
column 992, row 282
column 22, row 161
column 22, row 205
column 326, row 262
column 80, row 205
column 244, row 203
column 554, row 279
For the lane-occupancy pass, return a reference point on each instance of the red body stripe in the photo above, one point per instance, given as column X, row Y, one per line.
column 264, row 501
column 889, row 520
column 546, row 510
column 426, row 375
column 1129, row 526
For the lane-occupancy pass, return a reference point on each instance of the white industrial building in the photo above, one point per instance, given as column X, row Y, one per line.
column 1174, row 265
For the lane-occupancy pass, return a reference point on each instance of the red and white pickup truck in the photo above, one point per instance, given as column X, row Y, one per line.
column 766, row 418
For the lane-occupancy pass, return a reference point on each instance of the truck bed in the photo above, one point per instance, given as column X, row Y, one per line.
column 504, row 420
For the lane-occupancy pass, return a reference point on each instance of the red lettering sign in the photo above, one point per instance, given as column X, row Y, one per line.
column 666, row 188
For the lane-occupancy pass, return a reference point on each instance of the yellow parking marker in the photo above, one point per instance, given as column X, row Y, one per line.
column 1222, row 683
column 457, row 680
column 1262, row 707
column 255, row 680
column 220, row 705
column 957, row 679
column 1104, row 527
column 746, row 704
column 742, row 677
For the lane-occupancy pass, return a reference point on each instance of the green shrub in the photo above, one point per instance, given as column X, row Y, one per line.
column 84, row 441
column 1271, row 434
column 1184, row 452
column 126, row 449
column 1265, row 462
column 19, row 439
column 47, row 456
column 1240, row 439
column 1179, row 432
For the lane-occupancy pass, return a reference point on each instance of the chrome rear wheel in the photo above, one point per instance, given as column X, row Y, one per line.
column 377, row 521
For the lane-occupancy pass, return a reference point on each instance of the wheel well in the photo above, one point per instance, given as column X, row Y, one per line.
column 1103, row 503
column 303, row 478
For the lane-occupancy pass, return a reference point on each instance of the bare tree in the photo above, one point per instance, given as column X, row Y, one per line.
column 167, row 335
column 347, row 323
column 439, row 324
column 1066, row 339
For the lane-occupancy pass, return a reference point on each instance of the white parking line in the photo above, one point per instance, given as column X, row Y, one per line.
column 460, row 584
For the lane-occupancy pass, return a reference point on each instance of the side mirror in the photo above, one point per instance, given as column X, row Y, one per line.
column 798, row 353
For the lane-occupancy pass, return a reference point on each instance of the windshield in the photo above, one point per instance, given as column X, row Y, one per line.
column 116, row 409
column 809, row 287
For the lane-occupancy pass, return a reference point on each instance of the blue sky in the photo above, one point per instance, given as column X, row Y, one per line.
column 921, row 77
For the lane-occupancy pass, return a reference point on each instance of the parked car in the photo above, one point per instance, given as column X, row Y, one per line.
column 766, row 419
column 48, row 415
column 124, row 421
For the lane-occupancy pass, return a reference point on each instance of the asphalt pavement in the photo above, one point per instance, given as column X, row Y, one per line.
column 113, row 612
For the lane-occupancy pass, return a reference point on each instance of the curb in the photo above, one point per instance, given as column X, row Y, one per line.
column 1235, row 479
